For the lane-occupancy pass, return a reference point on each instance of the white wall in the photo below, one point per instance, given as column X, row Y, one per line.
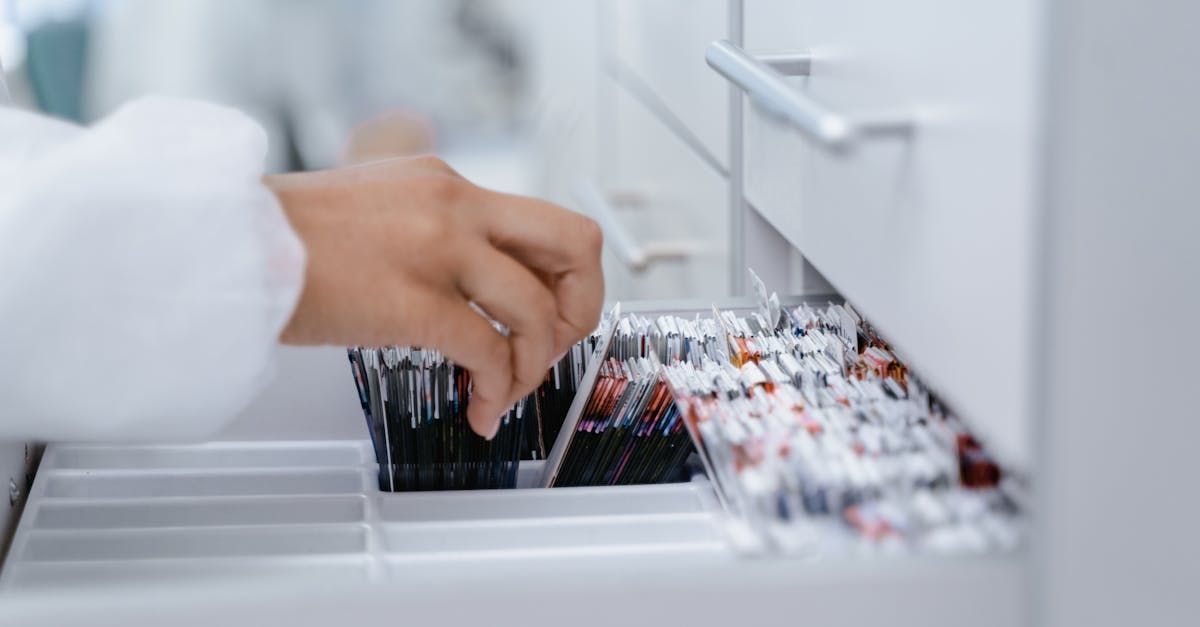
column 1119, row 419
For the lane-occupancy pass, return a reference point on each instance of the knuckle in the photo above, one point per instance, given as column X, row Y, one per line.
column 432, row 162
column 432, row 226
column 445, row 189
column 591, row 236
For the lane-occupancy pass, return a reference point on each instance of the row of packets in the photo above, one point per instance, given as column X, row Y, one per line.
column 629, row 430
column 415, row 403
column 812, row 419
column 801, row 416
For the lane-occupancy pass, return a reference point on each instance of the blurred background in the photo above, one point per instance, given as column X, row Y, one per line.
column 512, row 93
column 509, row 92
column 330, row 81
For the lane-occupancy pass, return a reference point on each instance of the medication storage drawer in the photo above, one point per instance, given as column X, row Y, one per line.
column 917, row 202
column 978, row 203
column 175, row 515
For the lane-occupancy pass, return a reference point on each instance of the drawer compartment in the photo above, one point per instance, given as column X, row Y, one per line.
column 930, row 234
column 117, row 485
column 209, row 512
column 46, row 546
column 215, row 455
column 535, row 503
column 542, row 534
column 41, row 576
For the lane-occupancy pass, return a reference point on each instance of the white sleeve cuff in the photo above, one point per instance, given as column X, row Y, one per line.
column 157, row 272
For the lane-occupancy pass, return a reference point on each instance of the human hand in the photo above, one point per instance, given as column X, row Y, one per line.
column 398, row 249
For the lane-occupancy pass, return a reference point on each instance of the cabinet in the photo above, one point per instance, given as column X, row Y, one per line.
column 931, row 233
column 1028, row 244
column 667, row 201
column 659, row 45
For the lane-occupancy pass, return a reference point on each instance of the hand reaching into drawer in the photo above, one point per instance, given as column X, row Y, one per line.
column 400, row 251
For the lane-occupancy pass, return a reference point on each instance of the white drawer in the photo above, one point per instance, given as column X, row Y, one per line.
column 661, row 44
column 931, row 235
column 662, row 196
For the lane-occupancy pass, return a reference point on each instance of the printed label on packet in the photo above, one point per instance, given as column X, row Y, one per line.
column 849, row 326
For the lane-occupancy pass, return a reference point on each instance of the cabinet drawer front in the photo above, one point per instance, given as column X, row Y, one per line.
column 662, row 193
column 661, row 43
column 930, row 234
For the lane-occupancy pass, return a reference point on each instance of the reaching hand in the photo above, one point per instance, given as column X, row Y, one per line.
column 398, row 249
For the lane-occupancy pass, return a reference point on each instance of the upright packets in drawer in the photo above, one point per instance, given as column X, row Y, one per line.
column 415, row 403
column 627, row 429
column 813, row 418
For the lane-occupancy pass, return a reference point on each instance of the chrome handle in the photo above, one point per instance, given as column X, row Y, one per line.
column 620, row 241
column 762, row 78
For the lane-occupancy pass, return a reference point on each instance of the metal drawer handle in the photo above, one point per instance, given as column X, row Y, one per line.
column 620, row 241
column 762, row 78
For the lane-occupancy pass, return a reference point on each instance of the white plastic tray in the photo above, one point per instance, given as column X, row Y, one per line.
column 244, row 533
column 128, row 514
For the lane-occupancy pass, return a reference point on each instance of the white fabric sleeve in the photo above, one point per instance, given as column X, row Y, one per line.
column 145, row 272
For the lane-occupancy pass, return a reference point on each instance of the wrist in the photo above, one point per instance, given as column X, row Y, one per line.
column 291, row 198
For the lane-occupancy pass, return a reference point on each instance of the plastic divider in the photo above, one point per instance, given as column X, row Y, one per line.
column 203, row 512
column 105, row 515
column 133, row 544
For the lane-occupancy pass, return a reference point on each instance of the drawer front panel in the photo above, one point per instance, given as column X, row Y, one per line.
column 661, row 43
column 931, row 234
column 665, row 196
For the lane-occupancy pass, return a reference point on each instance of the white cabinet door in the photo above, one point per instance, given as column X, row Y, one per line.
column 663, row 196
column 930, row 235
column 661, row 44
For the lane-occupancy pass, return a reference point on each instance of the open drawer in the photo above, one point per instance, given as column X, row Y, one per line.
column 113, row 517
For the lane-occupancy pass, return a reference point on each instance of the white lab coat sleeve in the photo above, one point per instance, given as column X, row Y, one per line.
column 145, row 272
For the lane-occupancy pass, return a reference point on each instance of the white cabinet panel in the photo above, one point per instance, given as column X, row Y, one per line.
column 662, row 42
column 663, row 195
column 772, row 25
column 930, row 235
